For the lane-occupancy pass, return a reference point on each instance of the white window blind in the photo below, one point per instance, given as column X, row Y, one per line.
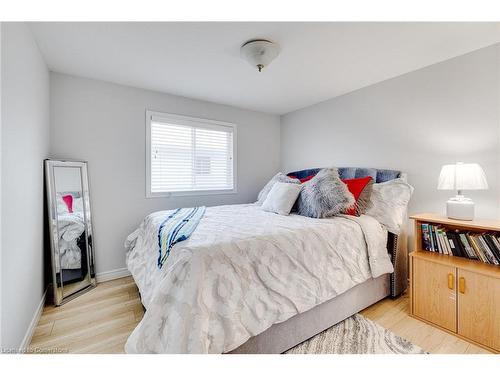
column 190, row 155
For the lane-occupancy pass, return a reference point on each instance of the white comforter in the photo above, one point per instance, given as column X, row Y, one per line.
column 243, row 270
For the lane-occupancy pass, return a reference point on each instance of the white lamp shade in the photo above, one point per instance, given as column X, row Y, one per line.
column 462, row 176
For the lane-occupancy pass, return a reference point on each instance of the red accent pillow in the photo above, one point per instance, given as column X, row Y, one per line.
column 357, row 186
column 305, row 179
column 68, row 199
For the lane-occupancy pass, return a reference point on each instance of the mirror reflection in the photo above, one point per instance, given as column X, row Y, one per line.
column 70, row 226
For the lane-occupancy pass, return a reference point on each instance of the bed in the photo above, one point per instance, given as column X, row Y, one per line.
column 69, row 229
column 249, row 281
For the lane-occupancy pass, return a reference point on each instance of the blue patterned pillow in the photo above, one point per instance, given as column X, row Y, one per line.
column 324, row 195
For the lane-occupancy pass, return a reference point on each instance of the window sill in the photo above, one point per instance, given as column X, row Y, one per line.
column 189, row 193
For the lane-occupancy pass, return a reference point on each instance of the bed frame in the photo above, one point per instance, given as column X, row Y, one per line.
column 283, row 336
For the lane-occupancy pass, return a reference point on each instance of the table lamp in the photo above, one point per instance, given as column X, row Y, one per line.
column 461, row 176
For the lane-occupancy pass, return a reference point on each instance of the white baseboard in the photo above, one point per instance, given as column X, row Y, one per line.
column 34, row 322
column 111, row 275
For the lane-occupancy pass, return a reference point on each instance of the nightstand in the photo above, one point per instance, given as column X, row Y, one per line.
column 456, row 294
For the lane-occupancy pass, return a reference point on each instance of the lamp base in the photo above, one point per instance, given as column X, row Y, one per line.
column 460, row 208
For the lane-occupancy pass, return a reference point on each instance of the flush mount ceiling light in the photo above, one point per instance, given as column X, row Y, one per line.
column 259, row 52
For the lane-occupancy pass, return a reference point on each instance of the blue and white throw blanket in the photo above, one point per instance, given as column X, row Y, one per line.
column 177, row 227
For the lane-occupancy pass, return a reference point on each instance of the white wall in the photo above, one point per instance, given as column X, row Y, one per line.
column 24, row 145
column 68, row 179
column 104, row 124
column 417, row 122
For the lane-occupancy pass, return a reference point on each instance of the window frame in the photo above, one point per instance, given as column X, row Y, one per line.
column 186, row 120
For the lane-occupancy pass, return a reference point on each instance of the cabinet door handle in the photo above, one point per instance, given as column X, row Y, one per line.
column 461, row 285
column 451, row 281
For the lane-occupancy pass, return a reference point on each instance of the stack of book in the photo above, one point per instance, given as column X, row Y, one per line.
column 479, row 246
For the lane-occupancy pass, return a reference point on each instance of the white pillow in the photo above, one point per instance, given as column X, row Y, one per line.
column 389, row 202
column 78, row 205
column 278, row 177
column 281, row 198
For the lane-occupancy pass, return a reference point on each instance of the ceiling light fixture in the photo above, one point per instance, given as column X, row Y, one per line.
column 259, row 52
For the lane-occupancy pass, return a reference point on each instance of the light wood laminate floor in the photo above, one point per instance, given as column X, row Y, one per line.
column 101, row 320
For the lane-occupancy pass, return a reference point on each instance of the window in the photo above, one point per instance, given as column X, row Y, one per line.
column 189, row 155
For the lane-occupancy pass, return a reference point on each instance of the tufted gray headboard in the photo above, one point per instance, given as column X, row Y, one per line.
column 378, row 175
column 396, row 245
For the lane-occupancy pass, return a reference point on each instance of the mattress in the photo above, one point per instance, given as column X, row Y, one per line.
column 244, row 270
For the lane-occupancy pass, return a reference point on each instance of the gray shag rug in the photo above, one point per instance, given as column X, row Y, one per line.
column 356, row 335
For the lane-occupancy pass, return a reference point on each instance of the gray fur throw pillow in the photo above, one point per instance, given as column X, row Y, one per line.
column 324, row 195
column 364, row 199
column 278, row 177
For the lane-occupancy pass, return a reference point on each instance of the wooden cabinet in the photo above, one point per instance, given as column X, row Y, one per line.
column 459, row 295
column 434, row 296
column 479, row 308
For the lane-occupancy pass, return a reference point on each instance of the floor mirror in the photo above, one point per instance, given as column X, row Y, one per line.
column 70, row 229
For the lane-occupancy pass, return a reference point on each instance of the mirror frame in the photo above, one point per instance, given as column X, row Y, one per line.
column 89, row 281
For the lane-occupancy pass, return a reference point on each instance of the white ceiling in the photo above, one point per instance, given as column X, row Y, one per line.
column 318, row 61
